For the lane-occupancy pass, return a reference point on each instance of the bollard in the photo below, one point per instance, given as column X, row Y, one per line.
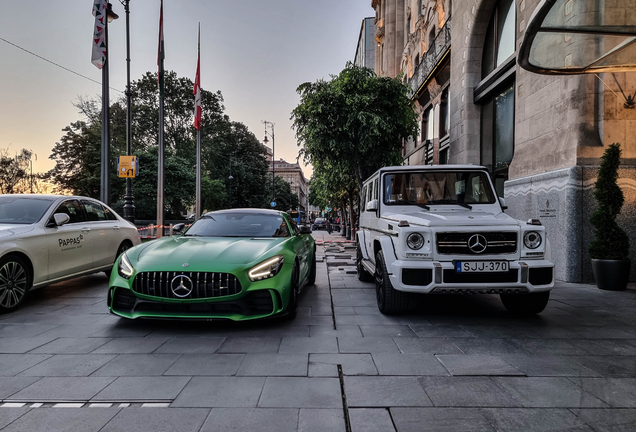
column 348, row 232
column 343, row 230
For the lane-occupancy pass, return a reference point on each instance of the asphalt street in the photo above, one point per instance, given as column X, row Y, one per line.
column 453, row 363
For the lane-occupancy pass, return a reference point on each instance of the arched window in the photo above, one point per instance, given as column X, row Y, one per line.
column 496, row 93
column 431, row 40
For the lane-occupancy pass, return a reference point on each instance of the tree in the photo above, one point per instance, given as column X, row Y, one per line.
column 355, row 122
column 78, row 153
column 15, row 176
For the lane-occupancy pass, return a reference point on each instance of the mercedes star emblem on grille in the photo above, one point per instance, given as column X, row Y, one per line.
column 181, row 286
column 477, row 243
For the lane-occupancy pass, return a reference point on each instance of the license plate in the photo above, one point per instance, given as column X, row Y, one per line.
column 481, row 266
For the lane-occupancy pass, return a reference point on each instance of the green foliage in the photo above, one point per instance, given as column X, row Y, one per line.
column 354, row 123
column 78, row 153
column 285, row 198
column 611, row 242
column 15, row 173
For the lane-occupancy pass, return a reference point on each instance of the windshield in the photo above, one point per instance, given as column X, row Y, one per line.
column 22, row 209
column 239, row 225
column 427, row 188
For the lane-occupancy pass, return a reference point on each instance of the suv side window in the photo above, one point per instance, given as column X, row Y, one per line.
column 94, row 211
column 376, row 194
column 363, row 198
column 73, row 209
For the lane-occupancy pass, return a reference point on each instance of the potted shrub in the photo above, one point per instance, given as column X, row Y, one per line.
column 610, row 248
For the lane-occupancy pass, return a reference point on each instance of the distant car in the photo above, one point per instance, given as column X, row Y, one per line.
column 236, row 264
column 49, row 238
column 319, row 223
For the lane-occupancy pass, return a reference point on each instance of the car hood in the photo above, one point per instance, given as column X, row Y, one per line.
column 7, row 230
column 201, row 251
column 454, row 218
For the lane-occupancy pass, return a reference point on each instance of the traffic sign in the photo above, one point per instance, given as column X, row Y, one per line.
column 327, row 209
column 127, row 166
column 273, row 203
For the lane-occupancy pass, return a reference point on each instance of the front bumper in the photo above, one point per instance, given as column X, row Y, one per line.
column 429, row 277
column 256, row 300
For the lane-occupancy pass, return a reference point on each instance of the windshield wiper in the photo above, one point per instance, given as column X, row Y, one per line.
column 424, row 206
column 461, row 204
column 192, row 235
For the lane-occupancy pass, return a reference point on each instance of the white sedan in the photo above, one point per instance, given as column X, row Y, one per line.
column 49, row 238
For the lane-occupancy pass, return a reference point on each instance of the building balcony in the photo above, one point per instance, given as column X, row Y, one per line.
column 431, row 58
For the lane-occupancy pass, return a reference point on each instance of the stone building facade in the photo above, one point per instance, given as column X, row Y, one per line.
column 365, row 52
column 540, row 136
column 293, row 174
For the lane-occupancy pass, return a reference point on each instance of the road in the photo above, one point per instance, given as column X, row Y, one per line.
column 452, row 363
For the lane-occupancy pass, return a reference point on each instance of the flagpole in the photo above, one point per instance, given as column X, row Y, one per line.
column 160, row 161
column 198, row 186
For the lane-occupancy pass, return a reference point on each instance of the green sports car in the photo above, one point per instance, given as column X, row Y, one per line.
column 234, row 264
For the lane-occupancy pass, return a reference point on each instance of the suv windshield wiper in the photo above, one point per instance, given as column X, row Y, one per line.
column 424, row 206
column 461, row 204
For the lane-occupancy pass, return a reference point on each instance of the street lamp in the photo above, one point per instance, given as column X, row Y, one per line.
column 129, row 206
column 230, row 178
column 105, row 174
column 265, row 140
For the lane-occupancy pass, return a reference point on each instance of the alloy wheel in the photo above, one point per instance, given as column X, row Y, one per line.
column 13, row 284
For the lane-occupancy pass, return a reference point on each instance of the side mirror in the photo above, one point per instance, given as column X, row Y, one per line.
column 304, row 229
column 178, row 228
column 59, row 219
column 372, row 205
column 503, row 203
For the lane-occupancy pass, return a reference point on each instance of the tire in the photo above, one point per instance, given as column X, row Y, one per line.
column 390, row 301
column 363, row 274
column 15, row 282
column 525, row 304
column 292, row 303
column 311, row 279
column 123, row 247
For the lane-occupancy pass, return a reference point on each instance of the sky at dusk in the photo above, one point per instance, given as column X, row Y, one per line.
column 255, row 52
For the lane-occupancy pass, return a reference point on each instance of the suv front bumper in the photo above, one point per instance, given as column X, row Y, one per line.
column 440, row 277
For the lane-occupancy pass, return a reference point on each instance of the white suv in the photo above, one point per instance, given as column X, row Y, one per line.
column 442, row 229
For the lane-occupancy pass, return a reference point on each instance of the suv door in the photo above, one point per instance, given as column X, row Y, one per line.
column 70, row 245
column 105, row 232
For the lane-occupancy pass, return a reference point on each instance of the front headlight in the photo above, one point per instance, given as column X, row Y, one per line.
column 532, row 239
column 415, row 241
column 124, row 268
column 267, row 269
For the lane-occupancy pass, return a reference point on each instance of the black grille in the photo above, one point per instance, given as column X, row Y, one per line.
column 450, row 276
column 417, row 276
column 540, row 276
column 204, row 285
column 457, row 243
column 254, row 303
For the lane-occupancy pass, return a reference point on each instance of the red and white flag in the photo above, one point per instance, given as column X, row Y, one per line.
column 98, row 57
column 197, row 88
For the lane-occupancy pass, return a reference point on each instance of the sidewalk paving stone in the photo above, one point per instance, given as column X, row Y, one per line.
column 221, row 392
column 56, row 419
column 440, row 420
column 11, row 385
column 326, row 365
column 251, row 419
column 544, row 420
column 71, row 345
column 367, row 345
column 554, row 392
column 68, row 365
column 191, row 345
column 157, row 420
column 466, row 392
column 274, row 365
column 370, row 420
column 251, row 345
column 608, row 420
column 321, row 420
column 384, row 391
column 206, row 364
column 143, row 388
column 286, row 392
column 427, row 345
column 477, row 365
column 408, row 364
column 63, row 389
column 617, row 392
column 306, row 345
column 137, row 365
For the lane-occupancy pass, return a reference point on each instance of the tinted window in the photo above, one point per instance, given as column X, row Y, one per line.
column 469, row 187
column 73, row 209
column 295, row 229
column 109, row 214
column 94, row 211
column 239, row 225
column 22, row 210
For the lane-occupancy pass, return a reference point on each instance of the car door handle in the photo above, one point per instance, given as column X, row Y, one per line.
column 116, row 228
column 85, row 229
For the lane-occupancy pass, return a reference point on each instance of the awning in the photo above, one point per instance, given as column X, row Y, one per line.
column 580, row 36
